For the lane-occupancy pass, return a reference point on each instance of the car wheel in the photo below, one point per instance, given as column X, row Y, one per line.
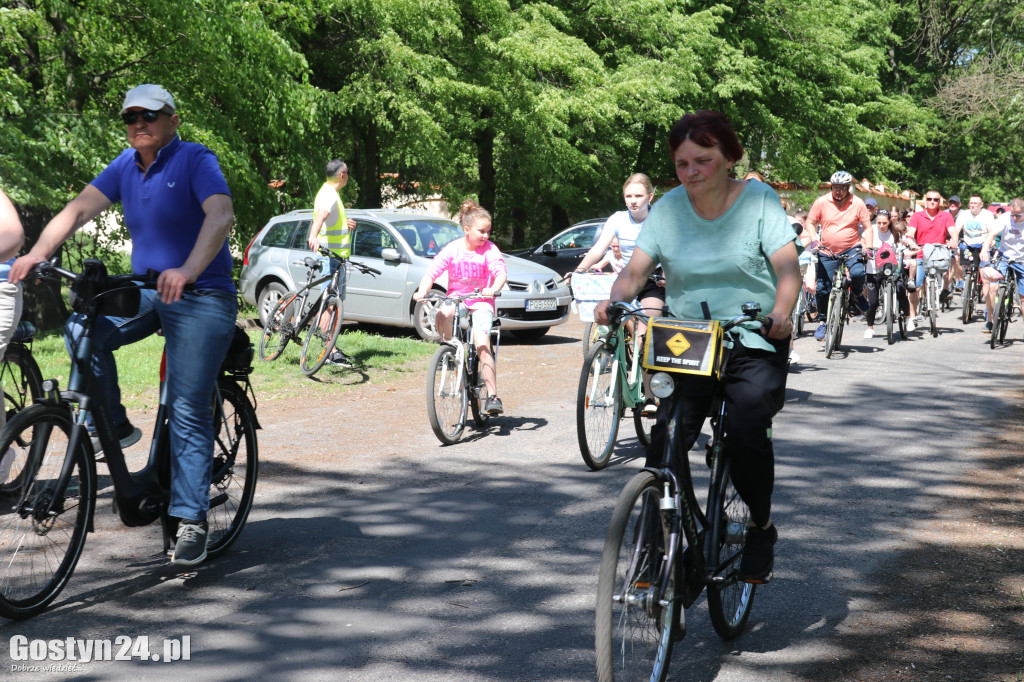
column 532, row 334
column 423, row 320
column 268, row 299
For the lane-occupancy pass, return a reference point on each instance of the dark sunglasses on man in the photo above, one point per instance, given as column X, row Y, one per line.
column 130, row 117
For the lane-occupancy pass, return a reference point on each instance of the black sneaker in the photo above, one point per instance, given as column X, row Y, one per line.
column 758, row 554
column 190, row 547
column 126, row 433
column 493, row 406
column 339, row 359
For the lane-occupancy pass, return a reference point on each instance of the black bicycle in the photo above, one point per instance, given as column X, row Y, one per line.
column 662, row 550
column 44, row 520
column 1007, row 301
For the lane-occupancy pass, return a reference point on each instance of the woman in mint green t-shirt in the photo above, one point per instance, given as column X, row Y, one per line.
column 722, row 243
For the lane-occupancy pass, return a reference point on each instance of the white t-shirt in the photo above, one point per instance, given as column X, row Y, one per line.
column 973, row 228
column 622, row 226
column 879, row 239
column 329, row 200
column 1011, row 244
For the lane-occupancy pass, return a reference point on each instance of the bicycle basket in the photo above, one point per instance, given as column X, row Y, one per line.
column 684, row 346
column 936, row 256
column 240, row 353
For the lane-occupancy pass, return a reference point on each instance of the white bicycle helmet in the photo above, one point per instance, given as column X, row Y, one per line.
column 841, row 177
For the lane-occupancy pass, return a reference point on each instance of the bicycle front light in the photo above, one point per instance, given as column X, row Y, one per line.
column 662, row 385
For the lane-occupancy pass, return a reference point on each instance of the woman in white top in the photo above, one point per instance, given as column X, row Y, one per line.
column 882, row 233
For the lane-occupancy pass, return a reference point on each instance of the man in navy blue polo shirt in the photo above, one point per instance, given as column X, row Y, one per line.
column 178, row 211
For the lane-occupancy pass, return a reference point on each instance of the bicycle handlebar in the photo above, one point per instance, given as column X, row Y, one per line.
column 365, row 269
column 457, row 298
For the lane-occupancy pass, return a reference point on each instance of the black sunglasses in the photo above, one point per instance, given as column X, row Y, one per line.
column 130, row 117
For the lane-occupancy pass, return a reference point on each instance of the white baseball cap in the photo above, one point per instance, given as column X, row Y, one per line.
column 148, row 96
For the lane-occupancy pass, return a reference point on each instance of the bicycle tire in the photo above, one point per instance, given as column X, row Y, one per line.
column 967, row 299
column 320, row 342
column 22, row 384
column 591, row 336
column 1006, row 312
column 642, row 425
column 833, row 322
column 902, row 322
column 933, row 306
column 997, row 316
column 887, row 310
column 633, row 632
column 446, row 395
column 729, row 602
column 280, row 327
column 38, row 555
column 235, row 467
column 598, row 407
column 478, row 395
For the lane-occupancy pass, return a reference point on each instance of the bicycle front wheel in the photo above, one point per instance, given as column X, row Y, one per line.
column 633, row 630
column 729, row 601
column 834, row 322
column 997, row 315
column 280, row 327
column 321, row 335
column 235, row 466
column 643, row 426
column 446, row 395
column 967, row 299
column 888, row 310
column 598, row 407
column 39, row 551
column 933, row 306
column 22, row 384
column 593, row 333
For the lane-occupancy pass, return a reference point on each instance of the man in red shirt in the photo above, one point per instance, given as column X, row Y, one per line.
column 842, row 218
column 933, row 227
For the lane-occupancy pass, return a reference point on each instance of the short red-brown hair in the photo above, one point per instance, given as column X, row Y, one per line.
column 708, row 129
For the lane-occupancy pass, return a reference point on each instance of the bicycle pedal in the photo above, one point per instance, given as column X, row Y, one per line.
column 760, row 581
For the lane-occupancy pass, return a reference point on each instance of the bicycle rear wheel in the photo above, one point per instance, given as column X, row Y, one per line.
column 280, row 327
column 321, row 335
column 446, row 395
column 729, row 601
column 997, row 315
column 643, row 426
column 38, row 552
column 598, row 407
column 235, row 466
column 633, row 631
column 22, row 384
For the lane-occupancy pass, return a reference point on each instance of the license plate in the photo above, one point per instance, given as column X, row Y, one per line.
column 541, row 304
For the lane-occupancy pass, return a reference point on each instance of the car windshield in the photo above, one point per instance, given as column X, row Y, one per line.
column 427, row 237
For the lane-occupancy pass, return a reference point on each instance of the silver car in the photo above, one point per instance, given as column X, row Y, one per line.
column 401, row 244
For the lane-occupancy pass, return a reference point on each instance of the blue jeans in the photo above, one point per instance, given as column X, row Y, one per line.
column 197, row 332
column 826, row 270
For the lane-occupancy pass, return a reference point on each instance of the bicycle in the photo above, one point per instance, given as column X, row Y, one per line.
column 891, row 312
column 612, row 381
column 1007, row 300
column 662, row 550
column 839, row 300
column 806, row 310
column 22, row 385
column 972, row 293
column 454, row 380
column 935, row 263
column 43, row 524
column 320, row 315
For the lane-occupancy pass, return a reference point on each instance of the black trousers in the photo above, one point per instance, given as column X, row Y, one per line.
column 755, row 390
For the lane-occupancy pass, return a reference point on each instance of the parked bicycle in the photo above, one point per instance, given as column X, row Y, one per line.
column 22, row 385
column 839, row 300
column 44, row 521
column 611, row 382
column 662, row 550
column 455, row 384
column 1006, row 303
column 319, row 314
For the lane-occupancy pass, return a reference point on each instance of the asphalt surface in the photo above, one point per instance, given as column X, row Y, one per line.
column 399, row 559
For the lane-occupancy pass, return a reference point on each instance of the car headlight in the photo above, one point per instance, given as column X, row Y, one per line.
column 662, row 385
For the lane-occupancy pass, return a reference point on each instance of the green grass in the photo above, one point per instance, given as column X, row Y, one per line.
column 379, row 358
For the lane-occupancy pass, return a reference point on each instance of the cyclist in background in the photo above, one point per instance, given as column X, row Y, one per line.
column 332, row 229
column 883, row 234
column 12, row 236
column 708, row 210
column 1009, row 229
column 931, row 226
column 612, row 259
column 842, row 219
column 472, row 263
column 970, row 230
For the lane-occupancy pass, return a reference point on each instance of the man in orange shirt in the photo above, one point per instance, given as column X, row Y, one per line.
column 843, row 218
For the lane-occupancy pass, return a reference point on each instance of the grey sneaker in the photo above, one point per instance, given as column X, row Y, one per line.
column 126, row 433
column 493, row 405
column 190, row 547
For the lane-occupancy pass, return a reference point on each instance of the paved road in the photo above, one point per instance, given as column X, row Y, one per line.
column 391, row 558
